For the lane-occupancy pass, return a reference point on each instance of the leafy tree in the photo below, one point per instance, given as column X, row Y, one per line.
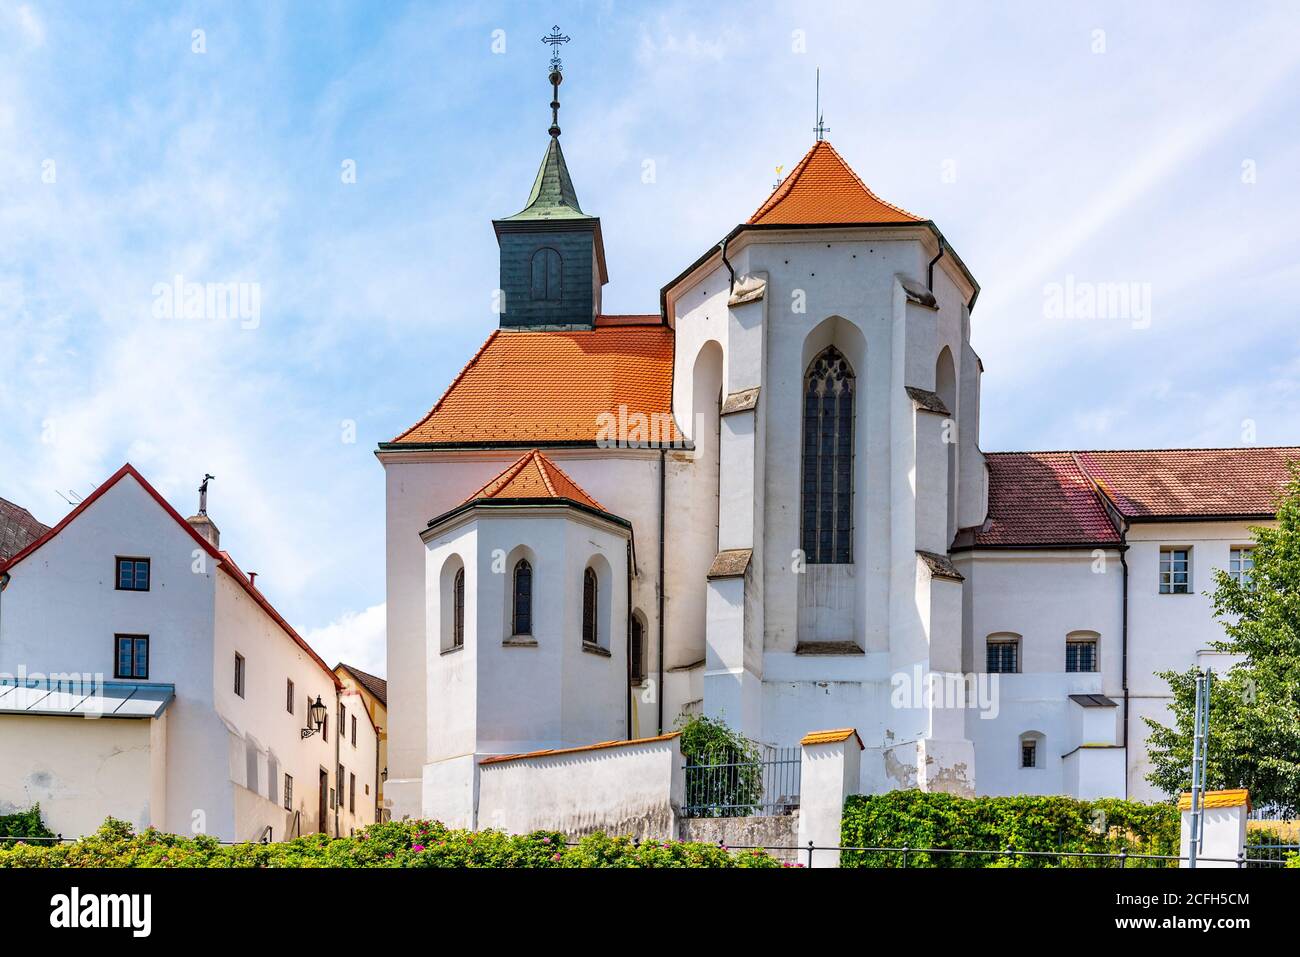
column 724, row 773
column 1254, row 739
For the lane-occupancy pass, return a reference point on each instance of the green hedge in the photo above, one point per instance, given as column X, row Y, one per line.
column 395, row 844
column 23, row 824
column 915, row 819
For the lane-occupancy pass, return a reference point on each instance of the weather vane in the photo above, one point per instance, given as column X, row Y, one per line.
column 557, row 76
column 555, row 39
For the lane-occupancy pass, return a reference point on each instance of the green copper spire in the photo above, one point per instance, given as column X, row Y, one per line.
column 553, row 195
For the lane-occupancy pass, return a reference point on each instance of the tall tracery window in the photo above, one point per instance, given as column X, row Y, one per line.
column 828, row 460
column 546, row 273
column 523, row 598
column 589, row 632
column 458, row 610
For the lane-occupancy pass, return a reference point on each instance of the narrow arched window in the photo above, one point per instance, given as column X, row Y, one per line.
column 590, row 635
column 523, row 600
column 458, row 610
column 636, row 654
column 545, row 281
column 828, row 460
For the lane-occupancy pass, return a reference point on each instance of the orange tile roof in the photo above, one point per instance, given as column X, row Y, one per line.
column 535, row 476
column 534, row 388
column 831, row 737
column 822, row 188
column 1234, row 797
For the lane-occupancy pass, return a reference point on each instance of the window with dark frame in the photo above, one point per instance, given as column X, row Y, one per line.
column 522, row 611
column 1003, row 656
column 458, row 609
column 1028, row 753
column 288, row 698
column 1175, row 571
column 239, row 674
column 827, row 481
column 288, row 792
column 546, row 279
column 637, row 663
column 354, row 731
column 590, row 633
column 352, row 793
column 1081, row 654
column 131, row 658
column 132, row 574
column 343, row 725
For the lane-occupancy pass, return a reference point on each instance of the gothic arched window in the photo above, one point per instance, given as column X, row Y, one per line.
column 828, row 460
column 523, row 598
column 545, row 283
column 590, row 635
column 458, row 610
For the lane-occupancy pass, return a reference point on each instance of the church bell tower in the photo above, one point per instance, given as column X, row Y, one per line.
column 552, row 254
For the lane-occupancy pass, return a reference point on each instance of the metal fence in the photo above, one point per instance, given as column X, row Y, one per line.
column 763, row 788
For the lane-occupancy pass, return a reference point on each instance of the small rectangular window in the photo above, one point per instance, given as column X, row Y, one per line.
column 1029, row 754
column 1003, row 657
column 1175, row 571
column 342, row 778
column 132, row 656
column 239, row 674
column 288, row 698
column 288, row 792
column 352, row 793
column 1081, row 654
column 343, row 725
column 325, row 727
column 354, row 731
column 331, row 799
column 1241, row 566
column 132, row 574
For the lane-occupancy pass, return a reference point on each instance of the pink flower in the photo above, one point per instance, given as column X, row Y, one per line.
column 417, row 848
column 556, row 857
column 546, row 840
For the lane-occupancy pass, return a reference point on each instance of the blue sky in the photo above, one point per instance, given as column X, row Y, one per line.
column 1161, row 150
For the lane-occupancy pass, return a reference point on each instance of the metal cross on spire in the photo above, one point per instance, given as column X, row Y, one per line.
column 555, row 39
column 821, row 129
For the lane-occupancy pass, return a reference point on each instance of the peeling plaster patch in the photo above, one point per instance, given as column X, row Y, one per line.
column 896, row 770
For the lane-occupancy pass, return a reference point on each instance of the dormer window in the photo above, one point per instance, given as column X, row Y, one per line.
column 545, row 284
column 132, row 574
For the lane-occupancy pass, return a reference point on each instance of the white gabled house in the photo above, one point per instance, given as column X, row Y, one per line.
column 143, row 675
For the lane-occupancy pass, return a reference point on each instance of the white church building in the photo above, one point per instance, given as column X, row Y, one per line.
column 767, row 501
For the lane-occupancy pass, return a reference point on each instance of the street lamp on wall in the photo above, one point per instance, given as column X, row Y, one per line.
column 316, row 713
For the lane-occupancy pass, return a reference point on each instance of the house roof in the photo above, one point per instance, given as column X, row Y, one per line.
column 1042, row 498
column 534, row 477
column 376, row 685
column 1189, row 483
column 222, row 559
column 18, row 529
column 1062, row 498
column 822, row 188
column 533, row 388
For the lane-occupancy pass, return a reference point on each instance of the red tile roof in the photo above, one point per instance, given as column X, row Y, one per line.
column 222, row 559
column 534, row 477
column 1056, row 498
column 18, row 529
column 376, row 685
column 535, row 388
column 1183, row 483
column 1042, row 498
column 822, row 188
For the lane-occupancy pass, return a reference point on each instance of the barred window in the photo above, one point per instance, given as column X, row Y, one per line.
column 523, row 598
column 1175, row 571
column 637, row 659
column 1081, row 654
column 828, row 460
column 590, row 635
column 1003, row 656
column 1241, row 563
column 1028, row 753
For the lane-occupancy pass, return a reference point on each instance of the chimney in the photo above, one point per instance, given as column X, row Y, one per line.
column 206, row 528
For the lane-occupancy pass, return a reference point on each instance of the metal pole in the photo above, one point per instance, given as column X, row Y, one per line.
column 1199, row 722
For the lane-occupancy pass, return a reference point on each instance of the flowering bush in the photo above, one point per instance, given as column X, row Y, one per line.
column 394, row 844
